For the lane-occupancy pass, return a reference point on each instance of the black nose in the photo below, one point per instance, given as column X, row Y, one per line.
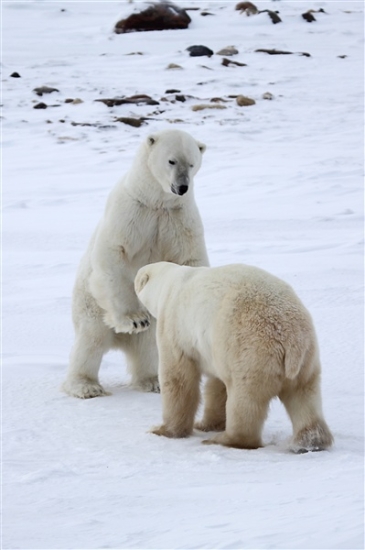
column 182, row 189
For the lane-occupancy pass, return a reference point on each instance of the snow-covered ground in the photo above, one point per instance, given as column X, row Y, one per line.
column 280, row 187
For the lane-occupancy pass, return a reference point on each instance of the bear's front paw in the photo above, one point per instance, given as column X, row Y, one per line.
column 162, row 430
column 131, row 323
column 171, row 433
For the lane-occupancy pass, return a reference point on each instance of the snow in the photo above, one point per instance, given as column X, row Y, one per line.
column 280, row 188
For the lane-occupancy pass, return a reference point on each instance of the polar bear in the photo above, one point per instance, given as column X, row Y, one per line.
column 150, row 215
column 253, row 338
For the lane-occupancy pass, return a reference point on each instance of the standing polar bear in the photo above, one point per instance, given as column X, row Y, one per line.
column 151, row 215
column 250, row 334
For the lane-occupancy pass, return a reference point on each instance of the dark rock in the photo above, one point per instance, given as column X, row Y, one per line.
column 227, row 62
column 198, row 51
column 247, row 7
column 44, row 90
column 204, row 13
column 135, row 99
column 273, row 16
column 274, row 52
column 40, row 106
column 172, row 91
column 308, row 16
column 181, row 98
column 15, row 75
column 157, row 17
column 281, row 52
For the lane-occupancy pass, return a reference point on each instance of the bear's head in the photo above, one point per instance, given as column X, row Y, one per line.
column 174, row 157
column 151, row 282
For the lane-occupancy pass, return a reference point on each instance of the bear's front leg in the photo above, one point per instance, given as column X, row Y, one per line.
column 179, row 380
column 111, row 283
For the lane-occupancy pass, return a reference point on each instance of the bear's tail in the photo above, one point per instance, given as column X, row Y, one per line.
column 294, row 359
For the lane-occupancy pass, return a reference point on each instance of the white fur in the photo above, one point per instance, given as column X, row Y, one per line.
column 145, row 220
column 250, row 334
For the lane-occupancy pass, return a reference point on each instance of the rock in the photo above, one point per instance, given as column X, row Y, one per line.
column 157, row 17
column 15, row 75
column 75, row 101
column 227, row 62
column 173, row 66
column 44, row 90
column 40, row 106
column 273, row 16
column 172, row 91
column 281, row 52
column 199, row 51
column 308, row 16
column 205, row 13
column 181, row 98
column 229, row 50
column 273, row 51
column 247, row 7
column 267, row 95
column 201, row 107
column 141, row 99
column 135, row 122
column 243, row 101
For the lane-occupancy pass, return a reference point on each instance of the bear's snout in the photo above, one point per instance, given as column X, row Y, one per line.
column 181, row 190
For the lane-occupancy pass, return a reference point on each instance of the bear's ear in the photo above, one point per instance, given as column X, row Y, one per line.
column 151, row 140
column 201, row 146
column 141, row 282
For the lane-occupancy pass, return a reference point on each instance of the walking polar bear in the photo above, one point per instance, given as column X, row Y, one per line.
column 151, row 215
column 250, row 334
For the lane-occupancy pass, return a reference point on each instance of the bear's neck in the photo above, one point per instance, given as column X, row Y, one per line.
column 145, row 189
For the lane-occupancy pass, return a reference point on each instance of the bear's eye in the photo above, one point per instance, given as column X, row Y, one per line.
column 172, row 162
column 191, row 165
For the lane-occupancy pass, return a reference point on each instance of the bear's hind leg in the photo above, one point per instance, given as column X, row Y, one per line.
column 91, row 342
column 179, row 379
column 304, row 407
column 215, row 398
column 246, row 414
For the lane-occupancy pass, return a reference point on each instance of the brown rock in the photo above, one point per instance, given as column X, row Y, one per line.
column 173, row 66
column 243, row 101
column 135, row 122
column 247, row 7
column 227, row 62
column 201, row 107
column 157, row 17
